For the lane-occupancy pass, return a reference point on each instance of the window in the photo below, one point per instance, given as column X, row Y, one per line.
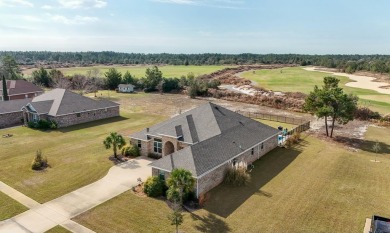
column 78, row 114
column 139, row 143
column 157, row 145
column 262, row 145
column 161, row 174
column 252, row 151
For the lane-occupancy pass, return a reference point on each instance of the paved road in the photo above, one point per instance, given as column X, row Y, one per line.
column 41, row 218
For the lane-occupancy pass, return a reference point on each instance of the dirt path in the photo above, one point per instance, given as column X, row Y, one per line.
column 363, row 82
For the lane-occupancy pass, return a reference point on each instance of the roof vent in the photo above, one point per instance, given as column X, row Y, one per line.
column 147, row 130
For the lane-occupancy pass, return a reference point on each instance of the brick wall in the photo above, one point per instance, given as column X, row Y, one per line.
column 214, row 178
column 23, row 96
column 146, row 146
column 11, row 119
column 73, row 119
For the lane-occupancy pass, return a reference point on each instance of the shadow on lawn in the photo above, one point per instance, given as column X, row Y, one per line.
column 363, row 144
column 225, row 199
column 210, row 223
column 92, row 124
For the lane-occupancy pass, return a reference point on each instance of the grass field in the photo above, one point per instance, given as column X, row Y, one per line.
column 76, row 155
column 139, row 71
column 58, row 229
column 276, row 124
column 298, row 79
column 9, row 207
column 317, row 186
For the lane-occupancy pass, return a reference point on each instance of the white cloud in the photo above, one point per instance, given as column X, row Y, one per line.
column 15, row 3
column 47, row 7
column 228, row 4
column 74, row 4
column 75, row 20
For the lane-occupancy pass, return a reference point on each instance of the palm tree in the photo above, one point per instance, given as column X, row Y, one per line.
column 182, row 181
column 115, row 141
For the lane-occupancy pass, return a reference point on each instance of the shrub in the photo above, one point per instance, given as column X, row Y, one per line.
column 42, row 124
column 173, row 195
column 154, row 186
column 154, row 156
column 296, row 137
column 130, row 150
column 237, row 176
column 39, row 161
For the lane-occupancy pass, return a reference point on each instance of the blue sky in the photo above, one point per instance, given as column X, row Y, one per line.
column 197, row 26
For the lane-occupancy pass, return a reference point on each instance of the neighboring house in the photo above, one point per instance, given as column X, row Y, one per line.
column 67, row 108
column 11, row 113
column 206, row 141
column 126, row 88
column 20, row 89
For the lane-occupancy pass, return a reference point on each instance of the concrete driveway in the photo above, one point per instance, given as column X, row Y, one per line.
column 119, row 179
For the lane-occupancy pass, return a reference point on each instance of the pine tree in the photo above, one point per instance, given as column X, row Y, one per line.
column 5, row 92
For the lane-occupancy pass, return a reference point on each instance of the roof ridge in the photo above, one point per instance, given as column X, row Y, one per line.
column 57, row 101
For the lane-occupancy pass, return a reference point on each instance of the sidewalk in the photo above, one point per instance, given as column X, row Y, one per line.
column 41, row 218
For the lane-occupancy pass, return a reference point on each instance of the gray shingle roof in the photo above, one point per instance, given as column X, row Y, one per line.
column 125, row 85
column 12, row 105
column 62, row 102
column 21, row 86
column 236, row 134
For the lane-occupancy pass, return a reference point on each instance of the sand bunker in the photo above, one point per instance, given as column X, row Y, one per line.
column 364, row 82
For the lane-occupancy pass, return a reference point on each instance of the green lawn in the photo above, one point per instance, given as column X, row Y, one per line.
column 76, row 155
column 9, row 207
column 317, row 186
column 276, row 124
column 297, row 79
column 58, row 229
column 139, row 71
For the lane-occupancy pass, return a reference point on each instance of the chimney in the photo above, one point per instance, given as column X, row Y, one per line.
column 147, row 130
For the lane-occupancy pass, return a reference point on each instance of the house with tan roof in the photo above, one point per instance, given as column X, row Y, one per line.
column 67, row 108
column 20, row 89
column 206, row 141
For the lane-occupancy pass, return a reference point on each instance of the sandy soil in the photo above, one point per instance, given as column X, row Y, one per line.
column 364, row 82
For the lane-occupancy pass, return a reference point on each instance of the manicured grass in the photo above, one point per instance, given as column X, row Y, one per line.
column 276, row 124
column 317, row 186
column 297, row 79
column 9, row 207
column 76, row 155
column 139, row 71
column 58, row 229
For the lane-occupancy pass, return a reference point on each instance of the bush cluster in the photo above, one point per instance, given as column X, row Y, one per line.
column 42, row 124
column 293, row 139
column 130, row 150
column 237, row 176
column 39, row 162
column 154, row 156
column 154, row 186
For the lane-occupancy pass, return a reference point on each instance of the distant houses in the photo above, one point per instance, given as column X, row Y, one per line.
column 20, row 89
column 125, row 88
column 67, row 108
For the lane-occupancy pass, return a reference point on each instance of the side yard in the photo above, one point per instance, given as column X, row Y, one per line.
column 317, row 186
column 76, row 155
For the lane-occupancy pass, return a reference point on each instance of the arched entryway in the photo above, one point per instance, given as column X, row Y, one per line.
column 169, row 148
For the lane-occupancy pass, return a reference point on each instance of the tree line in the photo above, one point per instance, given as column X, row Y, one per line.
column 345, row 63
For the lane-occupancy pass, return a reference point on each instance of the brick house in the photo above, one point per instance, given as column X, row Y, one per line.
column 67, row 108
column 206, row 141
column 11, row 113
column 20, row 89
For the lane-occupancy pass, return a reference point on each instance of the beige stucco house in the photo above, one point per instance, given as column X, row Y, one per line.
column 206, row 141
